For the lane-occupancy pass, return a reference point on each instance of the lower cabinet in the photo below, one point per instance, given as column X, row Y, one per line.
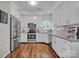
column 65, row 48
column 62, row 47
column 42, row 38
column 54, row 43
column 24, row 37
column 75, row 50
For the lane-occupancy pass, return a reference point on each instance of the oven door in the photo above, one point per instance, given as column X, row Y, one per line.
column 31, row 36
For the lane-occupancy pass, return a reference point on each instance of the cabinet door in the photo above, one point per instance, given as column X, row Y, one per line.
column 37, row 37
column 61, row 14
column 54, row 18
column 54, row 43
column 63, row 48
column 73, row 12
column 46, row 38
column 64, row 13
column 75, row 50
column 58, row 16
column 23, row 37
column 59, row 46
column 42, row 38
column 66, row 48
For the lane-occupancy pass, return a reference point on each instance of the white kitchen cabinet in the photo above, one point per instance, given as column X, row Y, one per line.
column 73, row 12
column 64, row 17
column 66, row 48
column 66, row 13
column 42, row 38
column 58, row 45
column 61, row 14
column 54, row 43
column 54, row 18
column 62, row 47
column 69, row 13
column 75, row 50
column 38, row 38
column 24, row 37
column 58, row 17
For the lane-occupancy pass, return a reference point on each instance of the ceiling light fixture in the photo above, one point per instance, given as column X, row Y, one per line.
column 33, row 2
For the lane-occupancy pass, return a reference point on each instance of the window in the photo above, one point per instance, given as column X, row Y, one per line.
column 45, row 24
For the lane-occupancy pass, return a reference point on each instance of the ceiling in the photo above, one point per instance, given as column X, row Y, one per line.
column 43, row 7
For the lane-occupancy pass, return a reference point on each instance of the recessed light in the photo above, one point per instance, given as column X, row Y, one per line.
column 33, row 2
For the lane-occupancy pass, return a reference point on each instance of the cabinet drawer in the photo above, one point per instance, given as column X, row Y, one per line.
column 66, row 49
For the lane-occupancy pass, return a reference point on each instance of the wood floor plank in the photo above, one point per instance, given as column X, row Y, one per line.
column 35, row 50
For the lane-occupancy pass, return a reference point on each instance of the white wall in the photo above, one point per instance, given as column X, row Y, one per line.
column 5, row 31
column 28, row 18
column 14, row 9
column 10, row 8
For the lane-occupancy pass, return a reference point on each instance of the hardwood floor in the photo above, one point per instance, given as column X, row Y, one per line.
column 33, row 50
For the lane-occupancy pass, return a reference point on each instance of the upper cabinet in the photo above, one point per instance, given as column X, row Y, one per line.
column 73, row 12
column 56, row 17
column 66, row 13
column 60, row 15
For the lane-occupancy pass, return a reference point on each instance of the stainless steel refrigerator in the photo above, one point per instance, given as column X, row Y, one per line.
column 14, row 33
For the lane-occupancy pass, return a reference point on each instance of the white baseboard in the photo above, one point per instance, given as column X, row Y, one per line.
column 5, row 55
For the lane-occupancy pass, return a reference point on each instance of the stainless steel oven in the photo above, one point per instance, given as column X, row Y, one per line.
column 31, row 25
column 31, row 36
